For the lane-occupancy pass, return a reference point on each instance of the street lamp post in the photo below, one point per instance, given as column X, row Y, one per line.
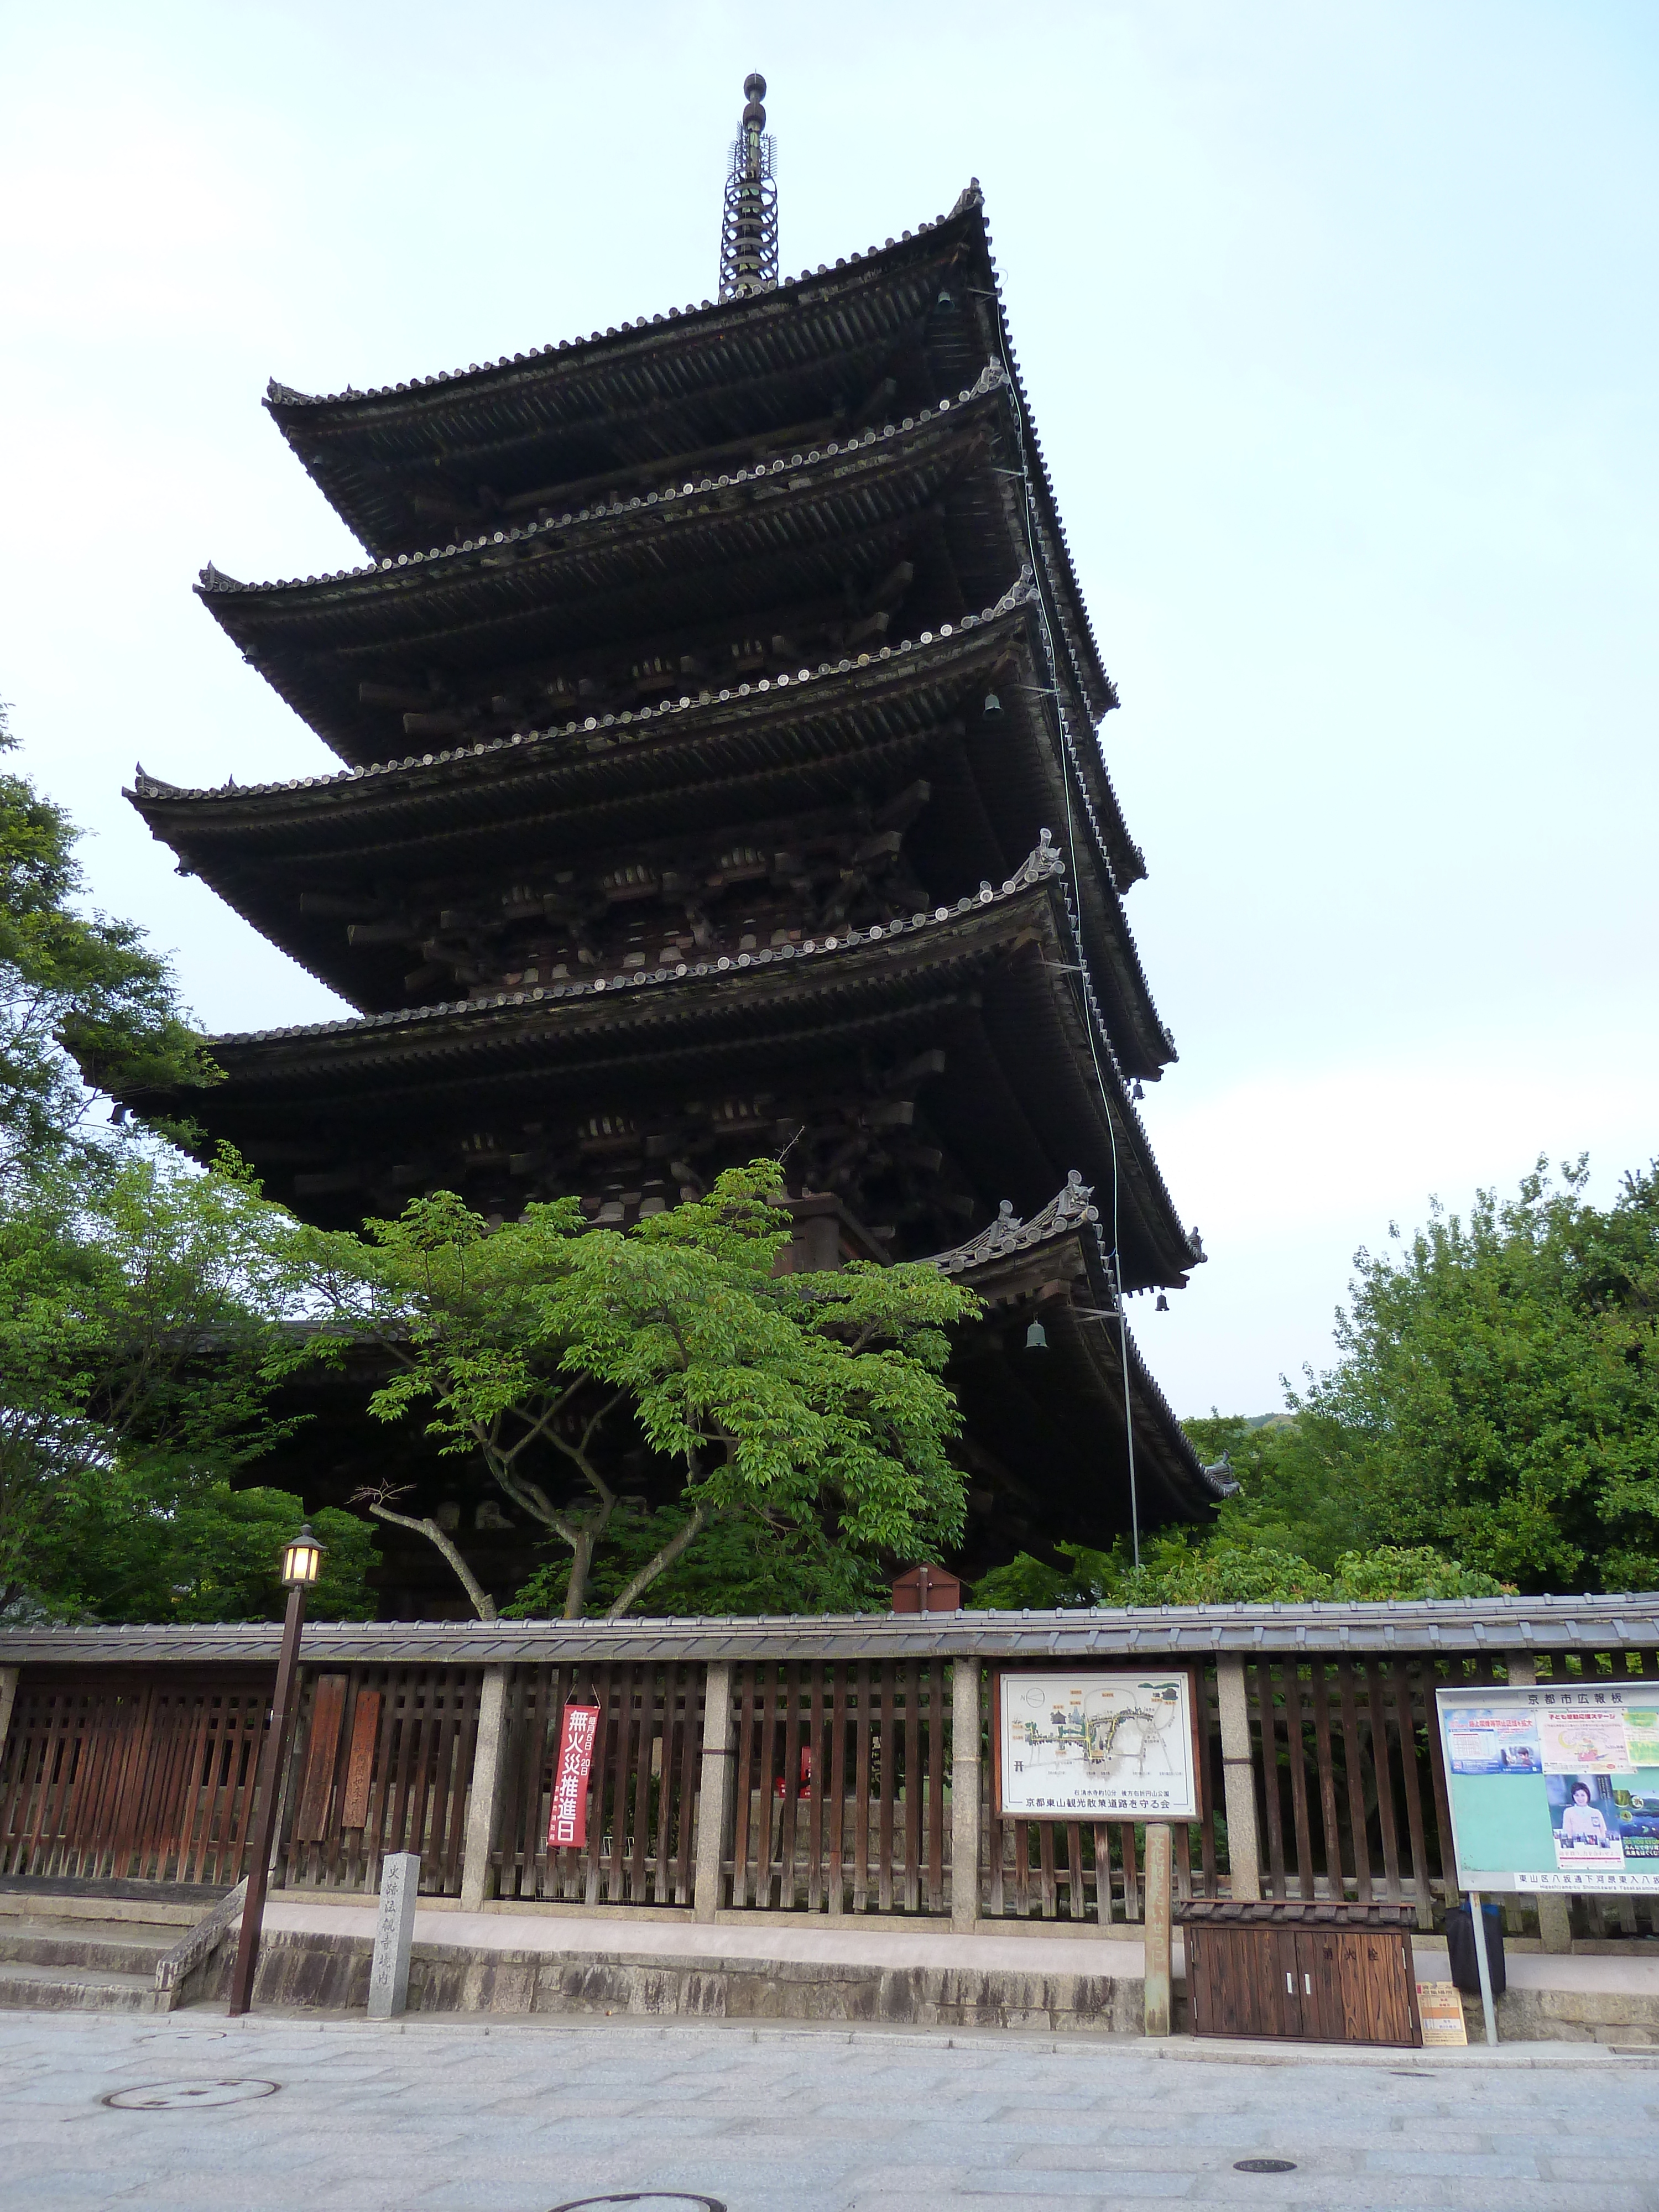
column 302, row 1560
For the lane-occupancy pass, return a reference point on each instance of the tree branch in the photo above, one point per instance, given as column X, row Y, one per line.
column 483, row 1604
column 680, row 1542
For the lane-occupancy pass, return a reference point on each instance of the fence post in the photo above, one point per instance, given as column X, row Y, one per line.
column 964, row 1792
column 489, row 1765
column 7, row 1699
column 1238, row 1780
column 1554, row 1913
column 1159, row 1854
column 713, row 1789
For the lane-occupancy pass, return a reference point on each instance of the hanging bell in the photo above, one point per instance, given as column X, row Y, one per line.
column 1036, row 1338
column 992, row 704
column 1163, row 1305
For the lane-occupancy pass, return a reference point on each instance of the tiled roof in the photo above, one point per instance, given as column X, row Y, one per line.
column 1008, row 1235
column 1070, row 1212
column 1040, row 866
column 1089, row 671
column 601, row 731
column 283, row 395
column 215, row 583
column 1147, row 1634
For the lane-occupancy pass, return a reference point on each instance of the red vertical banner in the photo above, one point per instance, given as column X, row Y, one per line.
column 567, row 1826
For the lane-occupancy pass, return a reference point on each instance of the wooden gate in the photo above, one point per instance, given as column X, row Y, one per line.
column 132, row 1774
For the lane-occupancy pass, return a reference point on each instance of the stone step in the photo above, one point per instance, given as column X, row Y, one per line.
column 25, row 1987
column 104, row 1945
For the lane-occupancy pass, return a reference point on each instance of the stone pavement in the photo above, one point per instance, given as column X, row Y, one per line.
column 452, row 2116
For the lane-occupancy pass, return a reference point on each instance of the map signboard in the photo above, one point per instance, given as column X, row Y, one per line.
column 1097, row 1743
column 1555, row 1788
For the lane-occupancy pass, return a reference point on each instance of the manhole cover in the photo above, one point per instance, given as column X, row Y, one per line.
column 1264, row 2166
column 178, row 2096
column 650, row 2200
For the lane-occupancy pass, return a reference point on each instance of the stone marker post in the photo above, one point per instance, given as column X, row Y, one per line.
column 964, row 1794
column 489, row 1763
column 1238, row 1780
column 394, row 1933
column 1554, row 1913
column 713, row 1789
column 1159, row 1860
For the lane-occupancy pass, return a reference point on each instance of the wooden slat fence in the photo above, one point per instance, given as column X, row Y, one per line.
column 841, row 1787
column 647, row 1755
column 841, row 1796
column 1350, row 1781
column 123, row 1774
column 382, row 1762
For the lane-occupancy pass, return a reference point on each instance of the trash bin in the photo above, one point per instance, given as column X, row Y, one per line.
column 1460, row 1947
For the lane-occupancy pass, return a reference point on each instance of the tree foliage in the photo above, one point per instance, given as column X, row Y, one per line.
column 146, row 1541
column 800, row 1399
column 71, row 983
column 1497, row 1391
column 1185, row 1567
column 1492, row 1421
column 141, row 1304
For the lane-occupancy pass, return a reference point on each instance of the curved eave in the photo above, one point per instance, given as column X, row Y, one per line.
column 360, row 448
column 1060, row 1276
column 579, row 786
column 999, row 957
column 354, row 444
column 651, row 563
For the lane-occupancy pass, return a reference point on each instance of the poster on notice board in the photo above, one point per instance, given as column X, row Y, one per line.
column 1555, row 1788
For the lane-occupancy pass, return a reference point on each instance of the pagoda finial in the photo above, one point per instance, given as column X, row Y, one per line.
column 749, row 231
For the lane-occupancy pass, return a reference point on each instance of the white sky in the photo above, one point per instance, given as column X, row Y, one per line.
column 1338, row 323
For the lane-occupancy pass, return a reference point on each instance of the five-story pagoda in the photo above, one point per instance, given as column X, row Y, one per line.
column 717, row 709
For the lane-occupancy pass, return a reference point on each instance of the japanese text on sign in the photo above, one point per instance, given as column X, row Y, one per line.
column 567, row 1825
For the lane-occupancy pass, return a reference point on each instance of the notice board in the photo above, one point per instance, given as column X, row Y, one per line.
column 1555, row 1788
column 1097, row 1743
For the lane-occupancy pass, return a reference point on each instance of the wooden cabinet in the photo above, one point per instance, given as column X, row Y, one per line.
column 1319, row 1973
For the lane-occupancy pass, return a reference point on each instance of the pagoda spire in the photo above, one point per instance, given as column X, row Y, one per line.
column 749, row 230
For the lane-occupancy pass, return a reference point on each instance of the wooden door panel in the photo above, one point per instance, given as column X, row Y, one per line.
column 1241, row 1981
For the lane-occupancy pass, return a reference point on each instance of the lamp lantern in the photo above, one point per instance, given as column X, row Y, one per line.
column 302, row 1560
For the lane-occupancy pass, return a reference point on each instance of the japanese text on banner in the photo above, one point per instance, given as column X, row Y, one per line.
column 567, row 1825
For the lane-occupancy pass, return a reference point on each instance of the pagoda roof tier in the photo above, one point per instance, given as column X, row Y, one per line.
column 989, row 980
column 1047, row 1414
column 614, row 594
column 293, row 858
column 822, row 350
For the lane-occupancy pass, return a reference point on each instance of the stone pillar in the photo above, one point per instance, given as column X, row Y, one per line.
column 488, row 1771
column 1238, row 1780
column 394, row 1934
column 1159, row 1862
column 964, row 1793
column 7, row 1699
column 713, row 1789
column 1554, row 1913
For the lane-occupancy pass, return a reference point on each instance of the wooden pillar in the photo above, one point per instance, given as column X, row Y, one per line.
column 1159, row 1859
column 488, row 1771
column 964, row 1793
column 713, row 1789
column 1554, row 1913
column 1238, row 1780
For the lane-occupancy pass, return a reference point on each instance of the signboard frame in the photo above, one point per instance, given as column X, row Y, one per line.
column 1187, row 1674
column 1536, row 1763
